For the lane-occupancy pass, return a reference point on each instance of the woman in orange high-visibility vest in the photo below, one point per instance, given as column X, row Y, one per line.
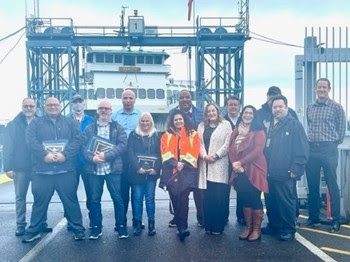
column 180, row 151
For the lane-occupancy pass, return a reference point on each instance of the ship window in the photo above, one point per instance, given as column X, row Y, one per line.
column 110, row 93
column 100, row 58
column 140, row 59
column 91, row 93
column 160, row 94
column 142, row 93
column 118, row 92
column 151, row 93
column 129, row 60
column 149, row 59
column 90, row 58
column 169, row 93
column 118, row 59
column 83, row 93
column 100, row 93
column 109, row 58
column 157, row 59
column 176, row 95
column 134, row 90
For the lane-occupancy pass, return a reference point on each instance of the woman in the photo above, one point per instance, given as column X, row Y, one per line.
column 249, row 170
column 180, row 150
column 145, row 163
column 214, row 133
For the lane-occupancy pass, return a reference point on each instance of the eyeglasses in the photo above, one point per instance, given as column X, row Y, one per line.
column 104, row 108
column 52, row 105
column 28, row 106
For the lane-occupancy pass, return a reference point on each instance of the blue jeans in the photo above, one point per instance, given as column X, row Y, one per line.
column 96, row 190
column 146, row 190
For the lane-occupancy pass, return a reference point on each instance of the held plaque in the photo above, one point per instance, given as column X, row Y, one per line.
column 55, row 146
column 146, row 162
column 99, row 144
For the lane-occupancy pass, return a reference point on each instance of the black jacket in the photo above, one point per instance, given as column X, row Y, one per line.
column 117, row 136
column 42, row 129
column 287, row 149
column 265, row 116
column 136, row 146
column 16, row 152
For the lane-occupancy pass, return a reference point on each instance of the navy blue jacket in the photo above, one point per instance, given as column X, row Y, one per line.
column 16, row 152
column 117, row 136
column 42, row 129
column 287, row 149
column 136, row 147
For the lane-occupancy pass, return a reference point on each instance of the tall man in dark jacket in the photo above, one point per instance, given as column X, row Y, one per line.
column 105, row 166
column 286, row 153
column 196, row 115
column 326, row 130
column 17, row 162
column 54, row 141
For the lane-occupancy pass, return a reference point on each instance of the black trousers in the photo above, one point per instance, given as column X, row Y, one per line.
column 281, row 203
column 180, row 205
column 215, row 207
column 198, row 201
column 323, row 155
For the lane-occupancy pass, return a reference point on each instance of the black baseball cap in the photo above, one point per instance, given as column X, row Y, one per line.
column 77, row 98
column 274, row 90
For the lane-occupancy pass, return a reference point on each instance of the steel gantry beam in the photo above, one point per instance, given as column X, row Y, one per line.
column 53, row 46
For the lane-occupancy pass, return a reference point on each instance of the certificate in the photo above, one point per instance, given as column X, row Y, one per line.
column 55, row 146
column 99, row 144
column 146, row 162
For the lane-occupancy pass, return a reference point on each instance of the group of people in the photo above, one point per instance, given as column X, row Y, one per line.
column 265, row 150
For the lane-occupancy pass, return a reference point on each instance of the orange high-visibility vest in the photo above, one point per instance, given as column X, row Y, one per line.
column 182, row 147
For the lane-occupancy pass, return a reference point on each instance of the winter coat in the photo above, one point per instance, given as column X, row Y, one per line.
column 42, row 129
column 117, row 136
column 219, row 141
column 250, row 154
column 136, row 146
column 287, row 149
column 16, row 152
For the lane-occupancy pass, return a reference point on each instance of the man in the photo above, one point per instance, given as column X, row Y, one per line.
column 233, row 107
column 326, row 130
column 77, row 108
column 286, row 153
column 264, row 114
column 105, row 166
column 54, row 141
column 17, row 162
column 128, row 118
column 196, row 115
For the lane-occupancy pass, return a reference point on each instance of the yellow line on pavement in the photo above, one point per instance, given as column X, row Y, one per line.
column 4, row 178
column 324, row 232
column 328, row 249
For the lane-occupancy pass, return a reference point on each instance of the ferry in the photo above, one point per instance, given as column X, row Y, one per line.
column 109, row 72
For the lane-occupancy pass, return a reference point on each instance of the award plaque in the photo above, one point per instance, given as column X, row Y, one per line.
column 99, row 144
column 146, row 162
column 55, row 146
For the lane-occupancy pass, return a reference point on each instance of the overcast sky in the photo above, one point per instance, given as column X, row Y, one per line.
column 265, row 64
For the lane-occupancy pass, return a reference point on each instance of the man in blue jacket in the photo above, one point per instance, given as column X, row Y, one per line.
column 105, row 166
column 17, row 162
column 286, row 153
column 54, row 141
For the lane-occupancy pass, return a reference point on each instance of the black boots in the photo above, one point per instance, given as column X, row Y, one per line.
column 151, row 229
column 137, row 227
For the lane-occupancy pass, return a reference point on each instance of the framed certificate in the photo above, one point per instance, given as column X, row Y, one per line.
column 55, row 146
column 146, row 162
column 99, row 144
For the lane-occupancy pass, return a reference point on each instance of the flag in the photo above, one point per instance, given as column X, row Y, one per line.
column 189, row 5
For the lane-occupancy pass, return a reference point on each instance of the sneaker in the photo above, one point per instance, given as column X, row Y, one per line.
column 30, row 237
column 286, row 237
column 20, row 231
column 311, row 223
column 45, row 228
column 95, row 233
column 122, row 232
column 172, row 223
column 79, row 235
column 335, row 228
